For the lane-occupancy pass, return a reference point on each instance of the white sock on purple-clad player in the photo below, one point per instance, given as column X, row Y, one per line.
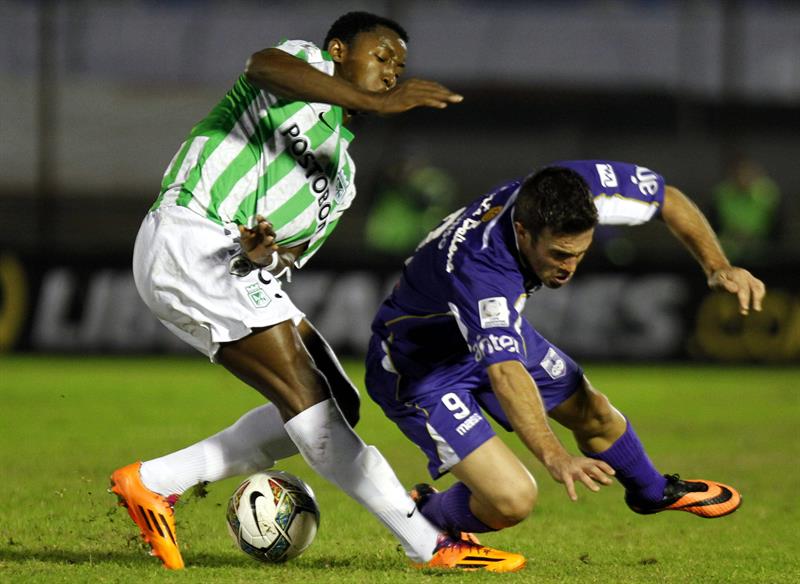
column 332, row 449
column 254, row 442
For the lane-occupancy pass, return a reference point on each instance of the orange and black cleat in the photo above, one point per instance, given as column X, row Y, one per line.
column 708, row 499
column 151, row 512
column 462, row 555
column 421, row 492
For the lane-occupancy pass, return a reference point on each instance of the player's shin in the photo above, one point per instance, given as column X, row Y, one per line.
column 632, row 465
column 332, row 449
column 254, row 442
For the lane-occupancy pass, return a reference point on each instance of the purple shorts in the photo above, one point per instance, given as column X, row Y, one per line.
column 444, row 412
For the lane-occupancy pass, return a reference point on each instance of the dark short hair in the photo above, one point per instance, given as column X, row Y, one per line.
column 557, row 198
column 349, row 25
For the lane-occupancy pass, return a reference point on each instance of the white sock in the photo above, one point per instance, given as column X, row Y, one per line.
column 254, row 442
column 332, row 449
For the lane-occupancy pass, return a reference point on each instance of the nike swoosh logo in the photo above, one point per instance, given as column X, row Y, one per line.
column 714, row 496
column 324, row 121
column 254, row 496
column 414, row 510
column 722, row 496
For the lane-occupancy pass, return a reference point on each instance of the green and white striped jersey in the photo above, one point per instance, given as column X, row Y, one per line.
column 258, row 154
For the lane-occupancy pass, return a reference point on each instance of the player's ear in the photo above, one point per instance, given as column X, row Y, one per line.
column 337, row 49
column 522, row 233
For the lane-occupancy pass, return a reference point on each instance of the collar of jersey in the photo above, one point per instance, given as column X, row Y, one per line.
column 531, row 281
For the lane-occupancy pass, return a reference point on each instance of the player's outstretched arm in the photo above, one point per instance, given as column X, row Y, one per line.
column 691, row 228
column 280, row 73
column 519, row 397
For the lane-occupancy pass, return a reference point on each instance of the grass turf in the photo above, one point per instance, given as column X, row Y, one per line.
column 65, row 423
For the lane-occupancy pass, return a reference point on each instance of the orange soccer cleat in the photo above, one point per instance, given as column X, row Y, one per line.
column 463, row 555
column 707, row 499
column 421, row 492
column 151, row 512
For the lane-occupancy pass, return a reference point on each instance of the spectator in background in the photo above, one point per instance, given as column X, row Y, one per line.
column 746, row 205
column 413, row 197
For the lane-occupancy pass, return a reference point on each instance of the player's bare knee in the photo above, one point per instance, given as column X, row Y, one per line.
column 513, row 505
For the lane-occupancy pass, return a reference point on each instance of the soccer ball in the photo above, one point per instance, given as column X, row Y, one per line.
column 273, row 516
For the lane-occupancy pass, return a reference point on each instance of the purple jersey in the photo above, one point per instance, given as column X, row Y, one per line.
column 464, row 289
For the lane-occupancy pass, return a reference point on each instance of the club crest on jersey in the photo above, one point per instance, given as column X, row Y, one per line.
column 258, row 296
column 341, row 185
column 491, row 213
column 493, row 312
column 554, row 364
column 608, row 178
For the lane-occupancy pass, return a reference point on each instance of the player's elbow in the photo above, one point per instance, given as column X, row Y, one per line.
column 253, row 65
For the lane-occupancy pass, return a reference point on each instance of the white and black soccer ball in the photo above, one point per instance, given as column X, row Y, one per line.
column 273, row 516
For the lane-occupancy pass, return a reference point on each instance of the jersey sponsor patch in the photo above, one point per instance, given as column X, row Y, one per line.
column 468, row 424
column 553, row 364
column 493, row 312
column 646, row 180
column 491, row 344
column 608, row 178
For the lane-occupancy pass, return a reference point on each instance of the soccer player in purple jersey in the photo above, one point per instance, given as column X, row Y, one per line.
column 450, row 345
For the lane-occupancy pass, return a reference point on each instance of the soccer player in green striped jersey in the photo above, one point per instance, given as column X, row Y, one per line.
column 255, row 190
column 276, row 145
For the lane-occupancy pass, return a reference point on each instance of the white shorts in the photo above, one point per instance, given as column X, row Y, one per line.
column 181, row 269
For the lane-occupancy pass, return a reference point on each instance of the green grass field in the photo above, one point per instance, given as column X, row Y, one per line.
column 65, row 423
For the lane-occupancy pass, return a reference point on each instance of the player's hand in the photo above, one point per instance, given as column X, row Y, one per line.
column 749, row 290
column 416, row 93
column 589, row 471
column 258, row 242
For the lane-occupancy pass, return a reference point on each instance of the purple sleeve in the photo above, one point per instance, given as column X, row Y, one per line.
column 624, row 193
column 486, row 304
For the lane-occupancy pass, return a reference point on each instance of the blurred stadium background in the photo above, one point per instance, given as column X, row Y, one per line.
column 97, row 96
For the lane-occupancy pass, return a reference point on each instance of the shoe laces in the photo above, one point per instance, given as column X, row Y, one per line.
column 674, row 481
column 447, row 541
